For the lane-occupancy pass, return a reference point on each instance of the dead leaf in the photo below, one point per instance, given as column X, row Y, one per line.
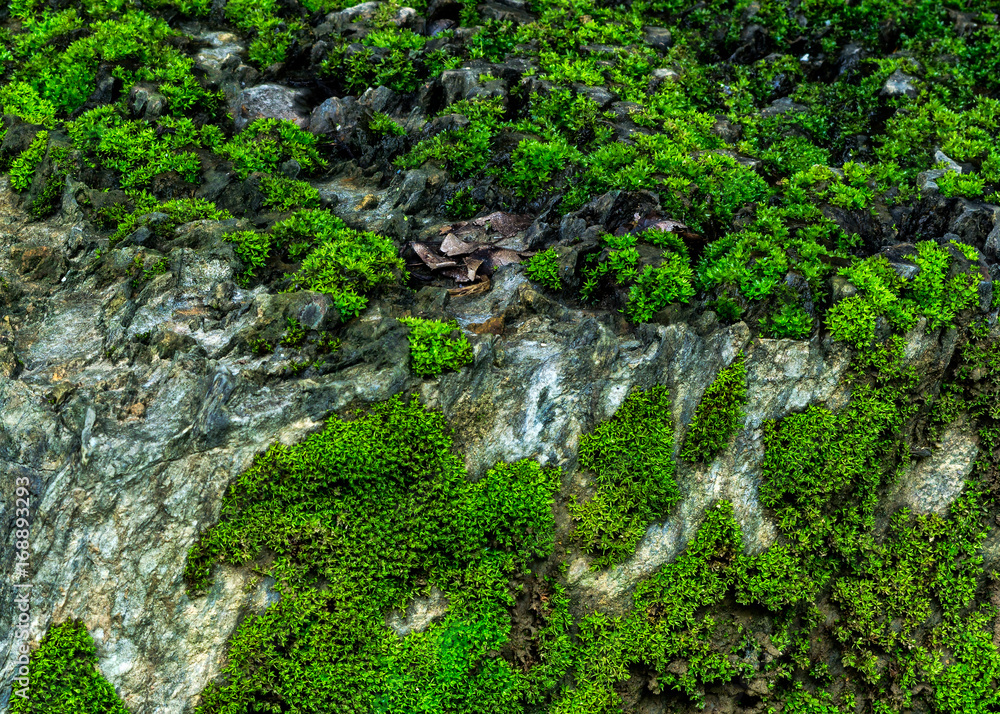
column 493, row 326
column 452, row 246
column 503, row 256
column 472, row 265
column 430, row 259
column 506, row 224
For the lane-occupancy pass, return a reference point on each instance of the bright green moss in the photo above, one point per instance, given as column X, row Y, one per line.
column 253, row 249
column 883, row 294
column 285, row 194
column 631, row 457
column 543, row 268
column 791, row 321
column 436, row 346
column 384, row 124
column 384, row 509
column 22, row 169
column 339, row 261
column 650, row 290
column 268, row 143
column 667, row 625
column 718, row 414
column 22, row 100
column 461, row 205
column 64, row 678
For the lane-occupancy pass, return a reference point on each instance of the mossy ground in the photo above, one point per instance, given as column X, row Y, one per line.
column 767, row 136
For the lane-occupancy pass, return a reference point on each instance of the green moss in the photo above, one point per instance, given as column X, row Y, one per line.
column 22, row 169
column 652, row 288
column 631, row 457
column 384, row 509
column 461, row 205
column 268, row 143
column 436, row 346
column 718, row 414
column 63, row 677
column 285, row 194
column 178, row 212
column 543, row 268
column 252, row 248
column 339, row 261
column 383, row 124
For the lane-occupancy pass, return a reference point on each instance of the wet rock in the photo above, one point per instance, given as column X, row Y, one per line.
column 420, row 614
column 785, row 105
column 658, row 38
column 146, row 103
column 932, row 483
column 900, row 84
column 336, row 115
column 269, row 101
column 755, row 42
column 505, row 12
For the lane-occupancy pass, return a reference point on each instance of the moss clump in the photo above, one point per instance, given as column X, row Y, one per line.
column 178, row 212
column 436, row 346
column 268, row 143
column 339, row 261
column 384, row 124
column 631, row 456
column 718, row 414
column 284, row 194
column 543, row 268
column 670, row 624
column 22, row 169
column 461, row 205
column 361, row 517
column 64, row 678
column 650, row 288
column 883, row 294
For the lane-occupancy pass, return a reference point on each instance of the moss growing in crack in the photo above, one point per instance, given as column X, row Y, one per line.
column 461, row 205
column 177, row 212
column 22, row 169
column 718, row 414
column 631, row 457
column 436, row 346
column 284, row 194
column 543, row 268
column 361, row 517
column 63, row 677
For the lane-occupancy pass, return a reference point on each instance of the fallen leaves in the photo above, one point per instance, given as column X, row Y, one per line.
column 468, row 254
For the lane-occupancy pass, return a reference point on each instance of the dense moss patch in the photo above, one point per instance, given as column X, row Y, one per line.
column 631, row 457
column 63, row 676
column 436, row 346
column 718, row 414
column 354, row 521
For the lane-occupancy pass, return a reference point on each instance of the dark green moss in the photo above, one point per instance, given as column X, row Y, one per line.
column 718, row 414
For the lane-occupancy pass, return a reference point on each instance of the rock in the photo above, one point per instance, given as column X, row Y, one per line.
column 420, row 614
column 900, row 258
column 932, row 483
column 336, row 115
column 841, row 289
column 899, row 84
column 505, row 12
column 949, row 164
column 269, row 101
column 785, row 105
column 412, row 196
column 337, row 21
column 658, row 38
column 727, row 130
column 755, row 41
column 146, row 103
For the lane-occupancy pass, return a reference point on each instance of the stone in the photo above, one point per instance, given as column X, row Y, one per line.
column 900, row 84
column 658, row 38
column 269, row 101
column 336, row 115
column 785, row 105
